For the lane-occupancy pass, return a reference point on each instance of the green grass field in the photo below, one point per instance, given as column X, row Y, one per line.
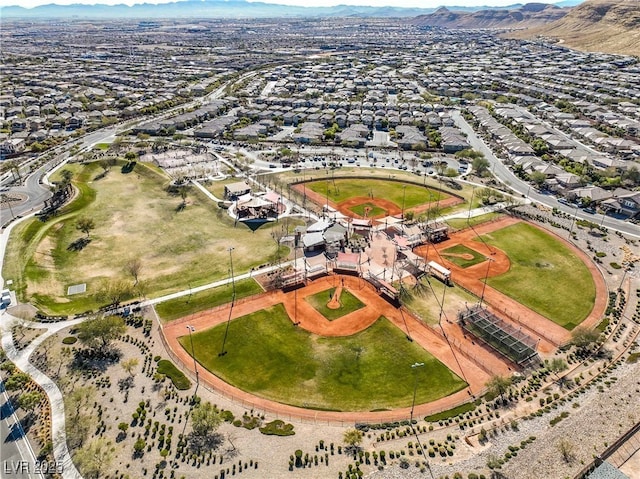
column 370, row 370
column 179, row 307
column 135, row 217
column 425, row 299
column 461, row 223
column 545, row 275
column 460, row 249
column 348, row 303
column 342, row 189
column 373, row 210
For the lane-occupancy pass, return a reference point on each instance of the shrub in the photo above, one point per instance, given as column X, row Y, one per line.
column 278, row 428
column 69, row 340
column 179, row 380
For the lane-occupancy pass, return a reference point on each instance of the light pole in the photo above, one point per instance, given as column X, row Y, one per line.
column 404, row 190
column 415, row 367
column 193, row 355
column 484, row 285
column 233, row 298
column 233, row 282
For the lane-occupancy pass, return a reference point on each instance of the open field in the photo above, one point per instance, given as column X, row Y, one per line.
column 545, row 275
column 348, row 303
column 340, row 190
column 463, row 256
column 271, row 358
column 135, row 218
column 179, row 307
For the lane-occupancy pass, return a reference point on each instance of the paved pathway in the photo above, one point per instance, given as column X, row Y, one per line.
column 21, row 360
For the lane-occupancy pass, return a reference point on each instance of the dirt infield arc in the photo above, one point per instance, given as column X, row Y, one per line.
column 309, row 319
column 391, row 209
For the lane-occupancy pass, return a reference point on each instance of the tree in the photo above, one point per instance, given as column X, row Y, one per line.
column 63, row 355
column 113, row 291
column 85, row 225
column 129, row 365
column 16, row 381
column 480, row 165
column 498, row 385
column 138, row 447
column 95, row 458
column 352, row 438
column 133, row 267
column 582, row 338
column 79, row 398
column 67, row 175
column 29, row 402
column 78, row 430
column 565, row 447
column 205, row 419
column 557, row 365
column 538, row 178
column 100, row 332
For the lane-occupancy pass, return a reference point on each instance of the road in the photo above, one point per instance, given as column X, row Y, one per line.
column 17, row 460
column 506, row 176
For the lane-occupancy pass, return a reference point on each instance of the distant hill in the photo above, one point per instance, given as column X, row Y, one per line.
column 225, row 9
column 609, row 26
column 528, row 15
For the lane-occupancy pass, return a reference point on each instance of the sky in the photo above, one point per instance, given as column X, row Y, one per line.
column 306, row 3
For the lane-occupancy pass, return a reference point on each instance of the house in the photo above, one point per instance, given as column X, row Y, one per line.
column 624, row 202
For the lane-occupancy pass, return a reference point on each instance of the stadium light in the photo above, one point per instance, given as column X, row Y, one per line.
column 193, row 355
column 233, row 299
column 484, row 285
column 415, row 367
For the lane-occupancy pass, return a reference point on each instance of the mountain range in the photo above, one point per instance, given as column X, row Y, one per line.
column 528, row 15
column 608, row 26
column 225, row 9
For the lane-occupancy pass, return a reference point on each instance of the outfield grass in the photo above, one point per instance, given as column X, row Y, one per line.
column 373, row 210
column 545, row 275
column 210, row 298
column 461, row 223
column 462, row 262
column 425, row 299
column 342, row 189
column 348, row 303
column 371, row 370
column 135, row 217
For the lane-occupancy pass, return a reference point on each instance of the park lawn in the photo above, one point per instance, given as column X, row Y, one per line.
column 135, row 217
column 462, row 262
column 370, row 370
column 340, row 189
column 203, row 300
column 461, row 223
column 425, row 299
column 348, row 303
column 373, row 210
column 545, row 275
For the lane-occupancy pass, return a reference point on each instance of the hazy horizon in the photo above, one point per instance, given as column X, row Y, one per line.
column 301, row 3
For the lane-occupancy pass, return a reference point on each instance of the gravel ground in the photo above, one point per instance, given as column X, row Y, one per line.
column 600, row 419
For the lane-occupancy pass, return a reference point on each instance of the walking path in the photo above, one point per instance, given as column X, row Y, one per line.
column 21, row 360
